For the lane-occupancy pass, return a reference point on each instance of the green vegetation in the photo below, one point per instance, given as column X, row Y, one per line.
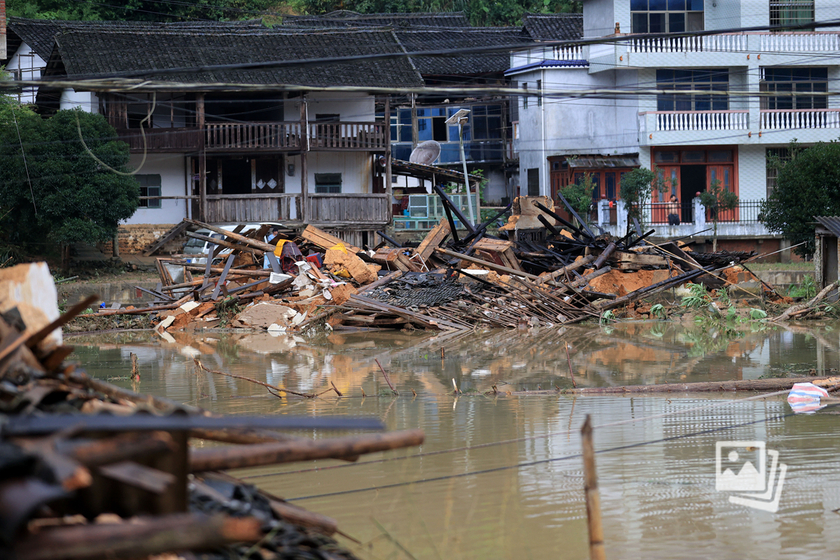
column 141, row 10
column 807, row 186
column 807, row 289
column 717, row 199
column 636, row 188
column 697, row 298
column 55, row 189
column 579, row 195
column 479, row 12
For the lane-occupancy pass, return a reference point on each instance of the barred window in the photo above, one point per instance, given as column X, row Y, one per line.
column 776, row 158
column 791, row 12
column 149, row 186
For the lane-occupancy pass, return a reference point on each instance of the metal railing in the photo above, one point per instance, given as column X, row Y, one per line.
column 745, row 211
column 658, row 213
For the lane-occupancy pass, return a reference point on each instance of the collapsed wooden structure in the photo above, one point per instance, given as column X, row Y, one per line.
column 91, row 470
column 541, row 268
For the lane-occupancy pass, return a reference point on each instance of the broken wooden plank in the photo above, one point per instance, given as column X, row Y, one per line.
column 433, row 240
column 488, row 265
column 324, row 240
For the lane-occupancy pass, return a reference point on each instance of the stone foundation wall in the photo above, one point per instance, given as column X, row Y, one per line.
column 135, row 238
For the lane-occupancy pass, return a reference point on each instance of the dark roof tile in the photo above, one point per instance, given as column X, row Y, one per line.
column 104, row 54
column 346, row 18
column 553, row 27
column 458, row 40
column 40, row 33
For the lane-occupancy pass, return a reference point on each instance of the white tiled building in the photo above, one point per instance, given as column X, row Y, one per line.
column 693, row 139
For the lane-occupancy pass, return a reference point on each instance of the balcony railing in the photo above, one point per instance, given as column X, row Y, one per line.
column 161, row 139
column 800, row 42
column 567, row 53
column 348, row 136
column 827, row 41
column 746, row 211
column 243, row 208
column 736, row 42
column 252, row 135
column 666, row 121
column 781, row 119
column 346, row 208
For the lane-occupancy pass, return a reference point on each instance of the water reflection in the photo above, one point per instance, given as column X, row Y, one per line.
column 471, row 496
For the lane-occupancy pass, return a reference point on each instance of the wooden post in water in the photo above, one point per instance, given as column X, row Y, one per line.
column 593, row 498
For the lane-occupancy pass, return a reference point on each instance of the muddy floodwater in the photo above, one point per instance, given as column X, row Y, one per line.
column 501, row 476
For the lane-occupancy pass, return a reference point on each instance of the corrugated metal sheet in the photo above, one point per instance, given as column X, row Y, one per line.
column 831, row 223
column 600, row 162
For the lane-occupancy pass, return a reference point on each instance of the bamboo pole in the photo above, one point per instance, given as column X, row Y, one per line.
column 593, row 498
column 273, row 453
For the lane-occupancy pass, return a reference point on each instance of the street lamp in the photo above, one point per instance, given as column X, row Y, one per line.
column 460, row 118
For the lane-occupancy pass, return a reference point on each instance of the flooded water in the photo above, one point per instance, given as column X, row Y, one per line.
column 501, row 476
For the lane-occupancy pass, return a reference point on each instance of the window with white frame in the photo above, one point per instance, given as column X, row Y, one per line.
column 328, row 183
column 149, row 186
column 666, row 16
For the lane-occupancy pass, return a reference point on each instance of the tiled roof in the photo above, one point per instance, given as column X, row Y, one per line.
column 553, row 27
column 346, row 18
column 40, row 33
column 101, row 53
column 831, row 223
column 457, row 40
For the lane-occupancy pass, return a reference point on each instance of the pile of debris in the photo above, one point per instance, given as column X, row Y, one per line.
column 90, row 470
column 541, row 268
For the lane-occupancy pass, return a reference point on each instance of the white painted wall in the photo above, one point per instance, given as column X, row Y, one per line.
column 351, row 106
column 752, row 173
column 173, row 177
column 599, row 18
column 30, row 66
column 86, row 100
column 355, row 168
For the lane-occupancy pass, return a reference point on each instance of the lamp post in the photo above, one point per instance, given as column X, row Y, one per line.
column 460, row 117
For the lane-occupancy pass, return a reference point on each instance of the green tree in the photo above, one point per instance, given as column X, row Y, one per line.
column 579, row 195
column 636, row 188
column 807, row 186
column 480, row 13
column 55, row 189
column 140, row 10
column 717, row 199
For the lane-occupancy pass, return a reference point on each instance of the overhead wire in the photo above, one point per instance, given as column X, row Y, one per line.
column 547, row 460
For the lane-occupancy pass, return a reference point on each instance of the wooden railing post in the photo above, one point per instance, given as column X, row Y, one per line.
column 388, row 185
column 202, row 160
column 304, row 171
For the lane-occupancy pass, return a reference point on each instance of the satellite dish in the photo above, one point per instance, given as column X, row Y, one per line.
column 425, row 152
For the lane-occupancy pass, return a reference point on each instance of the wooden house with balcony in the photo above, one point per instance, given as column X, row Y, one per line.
column 720, row 107
column 476, row 58
column 245, row 125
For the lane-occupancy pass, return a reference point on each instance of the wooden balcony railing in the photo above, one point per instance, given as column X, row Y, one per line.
column 355, row 208
column 245, row 208
column 348, row 136
column 781, row 119
column 252, row 136
column 161, row 139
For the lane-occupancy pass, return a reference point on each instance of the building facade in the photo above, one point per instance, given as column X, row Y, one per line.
column 749, row 94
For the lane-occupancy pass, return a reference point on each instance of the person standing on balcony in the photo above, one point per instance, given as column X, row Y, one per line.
column 673, row 209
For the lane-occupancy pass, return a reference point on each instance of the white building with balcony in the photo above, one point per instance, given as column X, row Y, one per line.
column 765, row 89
